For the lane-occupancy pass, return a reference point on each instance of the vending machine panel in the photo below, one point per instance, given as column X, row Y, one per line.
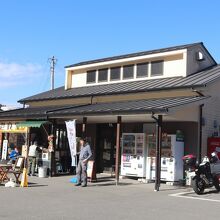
column 172, row 151
column 133, row 158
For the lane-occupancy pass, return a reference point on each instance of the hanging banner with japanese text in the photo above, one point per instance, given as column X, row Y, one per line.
column 71, row 135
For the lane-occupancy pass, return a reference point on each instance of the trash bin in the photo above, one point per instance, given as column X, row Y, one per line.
column 42, row 172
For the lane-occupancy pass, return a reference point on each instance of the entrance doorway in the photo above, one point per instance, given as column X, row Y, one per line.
column 106, row 147
column 62, row 151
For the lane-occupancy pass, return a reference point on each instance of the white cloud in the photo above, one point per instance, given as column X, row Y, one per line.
column 12, row 74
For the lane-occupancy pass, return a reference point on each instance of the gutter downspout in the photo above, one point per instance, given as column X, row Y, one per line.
column 91, row 102
column 200, row 132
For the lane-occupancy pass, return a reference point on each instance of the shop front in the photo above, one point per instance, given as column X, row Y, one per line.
column 111, row 138
column 22, row 134
column 120, row 134
column 11, row 137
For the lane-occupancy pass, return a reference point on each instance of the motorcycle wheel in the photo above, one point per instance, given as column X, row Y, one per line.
column 198, row 186
column 216, row 183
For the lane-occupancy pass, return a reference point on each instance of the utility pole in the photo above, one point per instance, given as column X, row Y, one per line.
column 52, row 61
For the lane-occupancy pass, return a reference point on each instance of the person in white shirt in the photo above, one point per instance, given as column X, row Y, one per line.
column 32, row 154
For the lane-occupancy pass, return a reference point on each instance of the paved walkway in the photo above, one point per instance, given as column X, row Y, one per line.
column 57, row 199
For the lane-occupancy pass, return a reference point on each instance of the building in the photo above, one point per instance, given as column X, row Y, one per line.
column 126, row 93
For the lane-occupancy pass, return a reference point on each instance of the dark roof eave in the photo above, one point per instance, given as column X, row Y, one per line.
column 156, row 106
column 162, row 109
column 209, row 54
column 22, row 115
column 19, row 117
column 116, row 93
column 103, row 113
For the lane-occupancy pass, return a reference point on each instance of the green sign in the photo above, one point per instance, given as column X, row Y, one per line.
column 179, row 136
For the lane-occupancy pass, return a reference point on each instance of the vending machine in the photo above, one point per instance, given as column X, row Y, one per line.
column 172, row 151
column 133, row 156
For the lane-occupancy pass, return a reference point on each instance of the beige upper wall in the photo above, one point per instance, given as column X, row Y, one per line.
column 174, row 65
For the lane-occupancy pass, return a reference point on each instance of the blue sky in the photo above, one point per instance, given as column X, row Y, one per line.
column 73, row 31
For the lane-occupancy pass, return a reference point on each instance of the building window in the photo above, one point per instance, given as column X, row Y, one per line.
column 128, row 72
column 103, row 75
column 91, row 76
column 115, row 73
column 157, row 68
column 142, row 70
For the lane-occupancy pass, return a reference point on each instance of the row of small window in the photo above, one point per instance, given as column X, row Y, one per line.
column 127, row 73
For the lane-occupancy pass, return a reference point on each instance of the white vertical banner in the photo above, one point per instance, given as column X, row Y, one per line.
column 5, row 150
column 71, row 135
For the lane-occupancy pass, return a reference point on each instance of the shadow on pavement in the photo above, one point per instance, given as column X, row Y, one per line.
column 211, row 192
column 173, row 189
column 107, row 181
column 104, row 179
column 31, row 184
column 110, row 184
column 193, row 194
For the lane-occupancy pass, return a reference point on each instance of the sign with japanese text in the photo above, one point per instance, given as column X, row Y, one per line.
column 4, row 149
column 71, row 134
column 12, row 128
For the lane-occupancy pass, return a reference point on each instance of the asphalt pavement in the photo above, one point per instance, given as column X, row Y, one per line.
column 58, row 199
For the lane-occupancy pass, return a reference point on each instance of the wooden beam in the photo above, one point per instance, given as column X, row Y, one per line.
column 117, row 149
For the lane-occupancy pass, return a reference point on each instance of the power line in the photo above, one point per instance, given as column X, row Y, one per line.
column 53, row 62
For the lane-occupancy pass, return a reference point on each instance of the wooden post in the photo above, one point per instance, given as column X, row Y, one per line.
column 84, row 127
column 158, row 152
column 27, row 137
column 52, row 158
column 117, row 150
column 1, row 141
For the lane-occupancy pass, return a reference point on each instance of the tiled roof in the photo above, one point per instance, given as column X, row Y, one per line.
column 30, row 113
column 199, row 79
column 126, row 107
column 114, row 108
column 143, row 53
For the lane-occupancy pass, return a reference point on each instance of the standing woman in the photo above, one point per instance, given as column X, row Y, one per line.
column 84, row 155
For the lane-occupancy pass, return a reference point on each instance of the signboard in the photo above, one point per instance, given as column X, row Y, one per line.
column 179, row 136
column 91, row 171
column 12, row 128
column 71, row 134
column 4, row 149
column 24, row 151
